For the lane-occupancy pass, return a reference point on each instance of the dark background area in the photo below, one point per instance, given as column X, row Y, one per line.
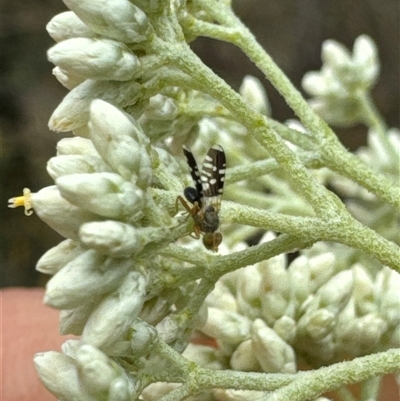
column 291, row 31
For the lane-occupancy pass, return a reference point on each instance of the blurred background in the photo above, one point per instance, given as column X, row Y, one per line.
column 290, row 30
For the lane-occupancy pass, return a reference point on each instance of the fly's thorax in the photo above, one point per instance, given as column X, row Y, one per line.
column 207, row 219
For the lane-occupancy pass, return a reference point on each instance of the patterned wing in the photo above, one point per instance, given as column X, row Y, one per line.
column 194, row 171
column 213, row 176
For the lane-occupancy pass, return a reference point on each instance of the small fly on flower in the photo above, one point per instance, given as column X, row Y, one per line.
column 206, row 196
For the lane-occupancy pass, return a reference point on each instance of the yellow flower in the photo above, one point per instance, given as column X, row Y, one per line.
column 24, row 200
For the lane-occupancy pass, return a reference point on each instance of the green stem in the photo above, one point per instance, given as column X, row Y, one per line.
column 297, row 226
column 215, row 266
column 348, row 231
column 311, row 385
column 283, row 244
column 299, row 387
column 262, row 167
column 244, row 380
column 349, row 165
column 301, row 139
column 374, row 120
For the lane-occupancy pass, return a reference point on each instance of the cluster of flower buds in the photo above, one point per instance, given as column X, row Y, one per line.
column 264, row 316
column 101, row 202
column 336, row 88
column 82, row 372
column 383, row 153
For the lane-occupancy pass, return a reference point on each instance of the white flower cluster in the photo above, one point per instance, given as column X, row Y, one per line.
column 102, row 201
column 383, row 153
column 272, row 317
column 342, row 79
column 116, row 182
column 82, row 372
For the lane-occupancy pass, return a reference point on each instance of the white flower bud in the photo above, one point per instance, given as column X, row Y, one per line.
column 105, row 194
column 87, row 276
column 69, row 81
column 121, row 142
column 72, row 321
column 121, row 390
column 228, row 327
column 387, row 290
column 335, row 55
column 57, row 257
column 318, row 83
column 117, row 310
column 167, row 330
column 363, row 290
column 361, row 334
column 118, row 239
column 299, row 274
column 73, row 111
column 286, row 329
column 154, row 310
column 316, row 324
column 275, row 276
column 370, row 330
column 204, row 356
column 117, row 122
column 117, row 19
column 321, row 269
column 365, row 56
column 76, row 146
column 71, row 347
column 143, row 337
column 62, row 216
column 324, row 350
column 222, row 298
column 273, row 306
column 67, row 25
column 162, row 108
column 59, row 374
column 244, row 359
column 168, row 161
column 376, row 151
column 96, row 370
column 70, row 164
column 255, row 95
column 272, row 353
column 248, row 291
column 393, row 135
column 337, row 86
column 345, row 319
column 95, row 59
column 335, row 294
